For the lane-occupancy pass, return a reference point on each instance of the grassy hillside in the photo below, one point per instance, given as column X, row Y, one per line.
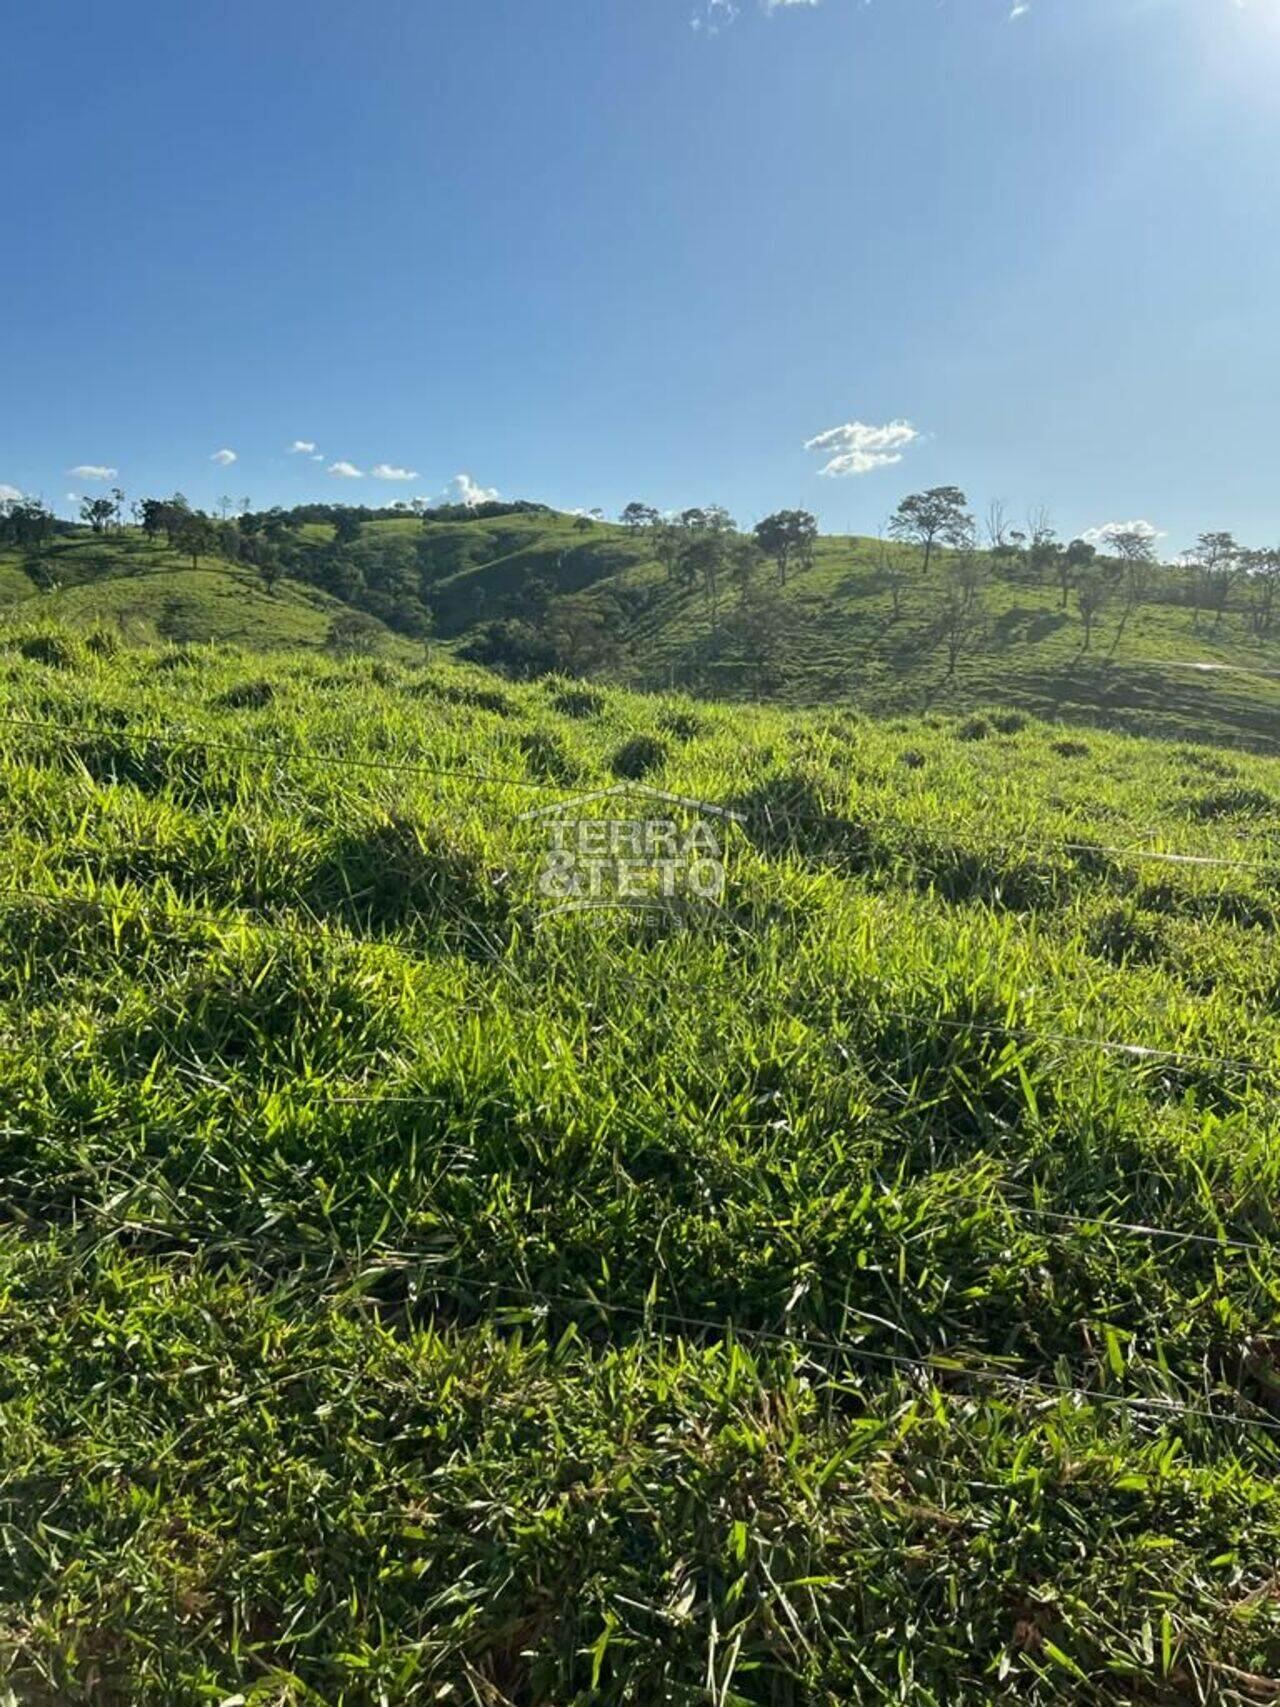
column 145, row 593
column 836, row 633
column 407, row 1297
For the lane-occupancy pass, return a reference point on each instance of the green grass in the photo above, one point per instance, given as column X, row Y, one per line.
column 146, row 595
column 404, row 1297
column 833, row 635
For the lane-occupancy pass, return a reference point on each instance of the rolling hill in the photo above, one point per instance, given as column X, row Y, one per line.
column 861, row 626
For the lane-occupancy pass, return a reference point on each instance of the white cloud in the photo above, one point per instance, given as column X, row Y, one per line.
column 462, row 489
column 385, row 471
column 713, row 16
column 224, row 458
column 302, row 445
column 318, row 457
column 346, row 471
column 1020, row 10
column 9, row 494
column 1103, row 535
column 859, row 449
column 93, row 471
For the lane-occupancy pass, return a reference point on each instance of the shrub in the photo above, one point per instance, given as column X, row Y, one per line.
column 58, row 650
column 974, row 729
column 247, row 696
column 637, row 757
column 578, row 702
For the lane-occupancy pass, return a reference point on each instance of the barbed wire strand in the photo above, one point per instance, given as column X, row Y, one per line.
column 782, row 819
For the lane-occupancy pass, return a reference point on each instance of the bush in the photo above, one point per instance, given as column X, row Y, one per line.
column 353, row 632
column 974, row 729
column 60, row 651
column 1010, row 722
column 637, row 757
column 511, row 646
column 247, row 696
column 101, row 641
column 578, row 702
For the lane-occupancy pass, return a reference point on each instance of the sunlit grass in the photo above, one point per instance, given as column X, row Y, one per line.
column 407, row 1298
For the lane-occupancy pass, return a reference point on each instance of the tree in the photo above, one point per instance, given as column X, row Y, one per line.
column 353, row 632
column 997, row 528
column 1072, row 562
column 117, row 506
column 1092, row 594
column 1135, row 551
column 1043, row 550
column 745, row 558
column 1215, row 560
column 25, row 522
column 701, row 560
column 788, row 538
column 1262, row 576
column 346, row 526
column 173, row 517
column 961, row 611
column 637, row 517
column 97, row 512
column 151, row 517
column 194, row 536
column 668, row 540
column 892, row 574
column 939, row 516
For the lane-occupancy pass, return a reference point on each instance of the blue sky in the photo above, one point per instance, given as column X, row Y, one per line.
column 594, row 250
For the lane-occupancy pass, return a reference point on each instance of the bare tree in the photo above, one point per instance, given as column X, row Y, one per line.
column 961, row 610
column 892, row 574
column 1042, row 542
column 996, row 527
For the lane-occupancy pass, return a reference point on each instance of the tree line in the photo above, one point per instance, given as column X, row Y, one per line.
column 939, row 544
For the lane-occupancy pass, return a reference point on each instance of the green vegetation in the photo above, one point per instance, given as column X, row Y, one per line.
column 405, row 1297
column 690, row 604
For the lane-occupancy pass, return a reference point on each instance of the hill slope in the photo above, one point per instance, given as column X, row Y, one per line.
column 860, row 627
column 407, row 1295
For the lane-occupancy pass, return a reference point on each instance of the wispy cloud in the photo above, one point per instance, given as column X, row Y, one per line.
column 385, row 471
column 712, row 16
column 302, row 446
column 1020, row 9
column 9, row 494
column 224, row 458
column 857, row 448
column 93, row 471
column 462, row 489
column 346, row 471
